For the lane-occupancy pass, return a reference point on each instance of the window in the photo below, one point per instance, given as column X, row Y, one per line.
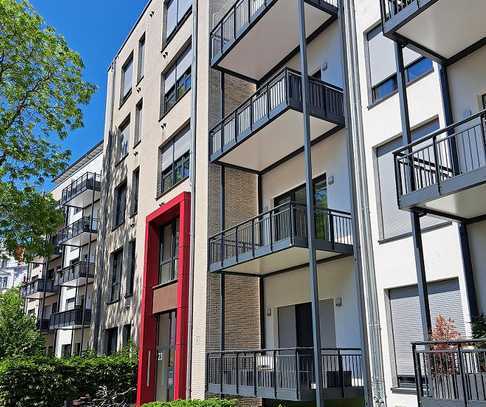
column 168, row 254
column 66, row 351
column 3, row 282
column 174, row 161
column 381, row 65
column 120, row 204
column 175, row 11
column 116, row 272
column 394, row 222
column 141, row 58
column 126, row 79
column 405, row 324
column 127, row 334
column 70, row 304
column 138, row 123
column 111, row 340
column 135, row 188
column 177, row 81
column 131, row 267
column 54, row 308
column 77, row 348
column 483, row 100
column 122, row 140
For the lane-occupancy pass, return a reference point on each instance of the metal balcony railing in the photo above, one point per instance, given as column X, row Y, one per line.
column 284, row 374
column 73, row 317
column 286, row 222
column 75, row 271
column 88, row 181
column 284, row 90
column 38, row 285
column 240, row 16
column 451, row 373
column 82, row 225
column 443, row 155
column 390, row 8
column 42, row 324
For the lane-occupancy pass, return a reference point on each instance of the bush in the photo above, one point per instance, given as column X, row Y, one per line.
column 48, row 382
column 194, row 403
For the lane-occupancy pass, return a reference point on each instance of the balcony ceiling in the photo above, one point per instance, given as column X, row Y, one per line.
column 275, row 141
column 448, row 26
column 85, row 198
column 271, row 39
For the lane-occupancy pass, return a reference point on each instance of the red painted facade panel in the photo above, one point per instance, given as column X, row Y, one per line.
column 146, row 381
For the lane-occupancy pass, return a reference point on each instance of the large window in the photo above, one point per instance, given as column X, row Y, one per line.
column 176, row 81
column 126, row 79
column 116, row 272
column 175, row 11
column 120, row 204
column 394, row 222
column 135, row 188
column 132, row 251
column 122, row 139
column 111, row 341
column 174, row 161
column 141, row 58
column 405, row 325
column 168, row 254
column 138, row 123
column 381, row 65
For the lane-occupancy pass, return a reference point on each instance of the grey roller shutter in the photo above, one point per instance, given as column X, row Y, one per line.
column 445, row 300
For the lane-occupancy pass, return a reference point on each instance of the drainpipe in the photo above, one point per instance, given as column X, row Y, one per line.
column 375, row 394
column 106, row 178
column 309, row 188
column 190, row 301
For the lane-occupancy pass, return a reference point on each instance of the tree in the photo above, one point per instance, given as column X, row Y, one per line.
column 19, row 336
column 41, row 95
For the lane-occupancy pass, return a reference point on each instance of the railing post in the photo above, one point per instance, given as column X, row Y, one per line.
column 462, row 373
column 341, row 371
column 292, row 226
column 253, row 237
column 221, row 372
column 437, row 161
column 222, row 249
column 237, row 374
column 208, row 371
column 271, row 214
column 254, row 374
column 275, row 373
column 297, row 374
column 236, row 244
column 331, row 229
column 268, row 93
column 418, row 374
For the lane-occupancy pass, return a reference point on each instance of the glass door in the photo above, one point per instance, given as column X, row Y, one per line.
column 166, row 328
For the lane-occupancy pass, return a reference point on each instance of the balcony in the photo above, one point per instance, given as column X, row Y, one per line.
column 42, row 325
column 255, row 35
column 285, row 374
column 70, row 319
column 252, row 136
column 435, row 28
column 56, row 248
column 82, row 191
column 37, row 288
column 444, row 173
column 451, row 373
column 79, row 233
column 76, row 274
column 277, row 240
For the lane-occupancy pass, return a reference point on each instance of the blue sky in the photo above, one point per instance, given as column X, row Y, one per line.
column 95, row 29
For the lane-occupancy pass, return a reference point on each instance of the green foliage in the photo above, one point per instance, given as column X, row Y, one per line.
column 19, row 336
column 41, row 95
column 48, row 382
column 194, row 403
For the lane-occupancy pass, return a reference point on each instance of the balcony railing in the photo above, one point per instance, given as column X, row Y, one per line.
column 391, row 8
column 42, row 324
column 281, row 226
column 285, row 374
column 442, row 156
column 89, row 181
column 76, row 271
column 281, row 92
column 243, row 14
column 38, row 286
column 451, row 373
column 82, row 225
column 70, row 318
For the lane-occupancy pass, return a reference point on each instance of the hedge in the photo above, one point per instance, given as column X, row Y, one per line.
column 194, row 403
column 48, row 381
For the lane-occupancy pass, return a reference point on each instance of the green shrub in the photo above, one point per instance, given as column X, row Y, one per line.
column 48, row 381
column 194, row 403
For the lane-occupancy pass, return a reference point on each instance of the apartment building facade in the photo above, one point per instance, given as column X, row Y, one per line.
column 59, row 289
column 12, row 273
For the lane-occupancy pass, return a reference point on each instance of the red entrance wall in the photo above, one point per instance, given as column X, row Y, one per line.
column 147, row 359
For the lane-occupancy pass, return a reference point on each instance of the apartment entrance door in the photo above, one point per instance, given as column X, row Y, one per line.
column 166, row 338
